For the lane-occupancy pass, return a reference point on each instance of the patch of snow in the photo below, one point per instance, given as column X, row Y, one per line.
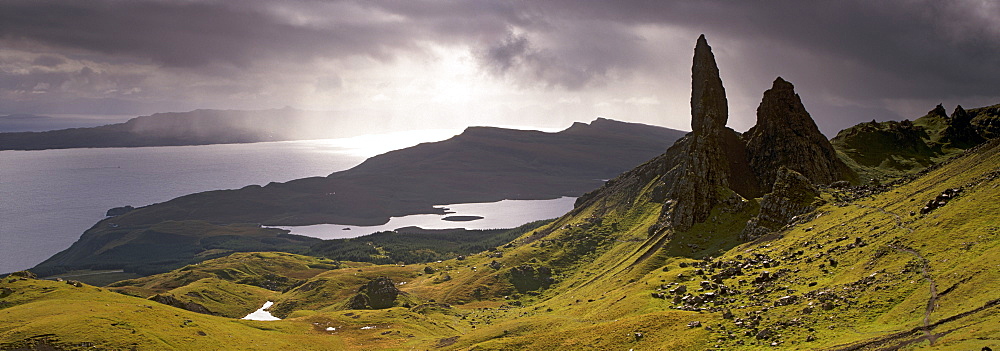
column 262, row 315
column 368, row 327
column 330, row 329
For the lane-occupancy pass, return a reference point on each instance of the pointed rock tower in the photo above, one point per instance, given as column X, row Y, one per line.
column 709, row 161
column 786, row 136
column 709, row 107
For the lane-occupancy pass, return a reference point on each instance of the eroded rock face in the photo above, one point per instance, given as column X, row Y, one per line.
column 173, row 301
column 716, row 167
column 709, row 108
column 786, row 136
column 699, row 167
column 792, row 195
column 377, row 294
column 938, row 111
column 960, row 129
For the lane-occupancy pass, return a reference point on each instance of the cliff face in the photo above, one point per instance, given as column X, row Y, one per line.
column 715, row 166
column 700, row 164
column 709, row 107
column 786, row 136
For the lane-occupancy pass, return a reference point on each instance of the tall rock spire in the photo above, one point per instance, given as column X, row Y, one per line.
column 785, row 135
column 709, row 108
column 701, row 163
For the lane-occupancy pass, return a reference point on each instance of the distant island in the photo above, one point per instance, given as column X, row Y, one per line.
column 462, row 218
column 198, row 127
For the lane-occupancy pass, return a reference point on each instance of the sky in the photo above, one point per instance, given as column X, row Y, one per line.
column 446, row 64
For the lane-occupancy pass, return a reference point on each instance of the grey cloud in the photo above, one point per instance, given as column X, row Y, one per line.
column 48, row 61
column 853, row 49
column 930, row 47
column 187, row 34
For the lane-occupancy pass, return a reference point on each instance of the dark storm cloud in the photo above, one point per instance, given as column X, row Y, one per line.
column 186, row 34
column 954, row 43
column 934, row 41
column 854, row 50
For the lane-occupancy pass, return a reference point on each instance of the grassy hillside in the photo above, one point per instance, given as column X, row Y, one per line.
column 870, row 273
column 886, row 151
column 415, row 245
column 154, row 248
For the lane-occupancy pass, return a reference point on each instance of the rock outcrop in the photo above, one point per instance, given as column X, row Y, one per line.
column 377, row 294
column 960, row 130
column 173, row 301
column 793, row 194
column 714, row 167
column 938, row 111
column 987, row 121
column 709, row 107
column 701, row 165
column 786, row 136
column 528, row 278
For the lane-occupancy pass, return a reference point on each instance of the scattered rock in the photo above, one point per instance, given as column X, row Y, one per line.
column 24, row 274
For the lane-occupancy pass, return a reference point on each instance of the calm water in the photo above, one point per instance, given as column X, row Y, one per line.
column 48, row 198
column 496, row 215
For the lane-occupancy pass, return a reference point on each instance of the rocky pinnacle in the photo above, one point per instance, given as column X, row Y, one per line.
column 709, row 109
column 700, row 166
column 785, row 135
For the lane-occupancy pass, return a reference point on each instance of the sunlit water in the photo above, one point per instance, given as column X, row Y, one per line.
column 496, row 215
column 49, row 197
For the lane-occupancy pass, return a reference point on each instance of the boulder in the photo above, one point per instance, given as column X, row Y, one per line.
column 528, row 278
column 378, row 293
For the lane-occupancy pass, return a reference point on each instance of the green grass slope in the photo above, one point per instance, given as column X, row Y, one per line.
column 868, row 273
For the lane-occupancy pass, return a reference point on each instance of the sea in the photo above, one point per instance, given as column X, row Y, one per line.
column 48, row 198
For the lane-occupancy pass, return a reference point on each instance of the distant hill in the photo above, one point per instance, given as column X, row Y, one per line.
column 892, row 149
column 482, row 164
column 199, row 127
column 35, row 123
